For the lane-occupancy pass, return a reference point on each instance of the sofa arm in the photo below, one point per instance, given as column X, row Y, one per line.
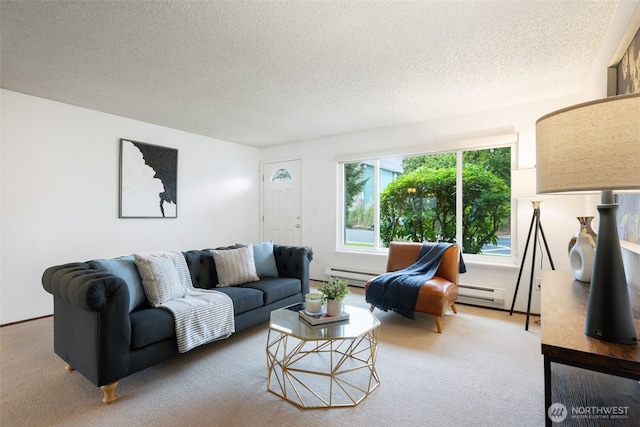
column 92, row 328
column 293, row 261
column 81, row 286
column 449, row 268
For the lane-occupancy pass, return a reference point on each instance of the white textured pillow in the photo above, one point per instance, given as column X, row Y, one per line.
column 160, row 279
column 235, row 266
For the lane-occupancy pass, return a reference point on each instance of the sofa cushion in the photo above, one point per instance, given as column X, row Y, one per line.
column 160, row 278
column 125, row 268
column 235, row 266
column 202, row 268
column 274, row 289
column 227, row 248
column 244, row 299
column 150, row 325
column 264, row 259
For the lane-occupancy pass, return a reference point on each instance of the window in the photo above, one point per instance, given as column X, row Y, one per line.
column 281, row 175
column 460, row 197
column 363, row 182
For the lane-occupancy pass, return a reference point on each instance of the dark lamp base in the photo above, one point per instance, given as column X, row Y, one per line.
column 602, row 335
column 609, row 316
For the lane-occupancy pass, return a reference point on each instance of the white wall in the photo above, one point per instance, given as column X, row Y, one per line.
column 59, row 198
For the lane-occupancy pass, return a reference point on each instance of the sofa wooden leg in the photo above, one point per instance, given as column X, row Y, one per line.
column 69, row 368
column 371, row 308
column 438, row 324
column 109, row 391
column 454, row 308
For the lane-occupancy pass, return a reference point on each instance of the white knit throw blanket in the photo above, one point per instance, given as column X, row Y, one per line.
column 201, row 316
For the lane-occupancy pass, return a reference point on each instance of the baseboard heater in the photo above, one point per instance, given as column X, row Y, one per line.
column 355, row 278
column 466, row 293
column 478, row 294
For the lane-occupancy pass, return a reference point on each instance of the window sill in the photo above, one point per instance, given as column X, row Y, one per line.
column 491, row 265
column 475, row 261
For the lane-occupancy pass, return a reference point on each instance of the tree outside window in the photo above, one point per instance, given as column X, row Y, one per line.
column 419, row 203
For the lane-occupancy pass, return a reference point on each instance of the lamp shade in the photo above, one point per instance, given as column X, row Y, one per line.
column 590, row 146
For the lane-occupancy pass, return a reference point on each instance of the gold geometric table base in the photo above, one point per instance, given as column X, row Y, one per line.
column 322, row 373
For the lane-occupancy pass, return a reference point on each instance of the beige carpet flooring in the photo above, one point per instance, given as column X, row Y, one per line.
column 484, row 370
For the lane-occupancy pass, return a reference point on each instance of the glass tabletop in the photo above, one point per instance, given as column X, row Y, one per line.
column 286, row 320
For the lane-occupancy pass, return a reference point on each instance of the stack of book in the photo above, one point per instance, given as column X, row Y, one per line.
column 320, row 319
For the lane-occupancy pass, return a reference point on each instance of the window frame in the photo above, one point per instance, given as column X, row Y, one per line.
column 458, row 147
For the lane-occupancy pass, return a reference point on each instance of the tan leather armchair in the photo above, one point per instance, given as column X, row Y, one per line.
column 440, row 292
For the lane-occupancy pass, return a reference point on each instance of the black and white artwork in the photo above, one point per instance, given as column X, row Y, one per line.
column 148, row 180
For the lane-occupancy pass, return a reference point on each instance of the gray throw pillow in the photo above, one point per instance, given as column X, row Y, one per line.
column 235, row 266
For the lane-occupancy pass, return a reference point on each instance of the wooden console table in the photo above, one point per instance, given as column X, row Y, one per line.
column 580, row 371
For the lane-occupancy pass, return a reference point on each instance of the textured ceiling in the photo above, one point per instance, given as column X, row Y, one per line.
column 264, row 73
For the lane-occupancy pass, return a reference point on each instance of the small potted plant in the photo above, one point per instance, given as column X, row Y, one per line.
column 334, row 292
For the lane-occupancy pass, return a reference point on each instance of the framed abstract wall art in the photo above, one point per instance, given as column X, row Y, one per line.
column 624, row 78
column 148, row 180
column 628, row 217
column 624, row 74
column 628, row 70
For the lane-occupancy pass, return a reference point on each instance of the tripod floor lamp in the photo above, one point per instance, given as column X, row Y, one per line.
column 524, row 185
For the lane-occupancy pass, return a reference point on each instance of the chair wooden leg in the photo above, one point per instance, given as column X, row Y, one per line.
column 371, row 308
column 454, row 308
column 109, row 391
column 438, row 324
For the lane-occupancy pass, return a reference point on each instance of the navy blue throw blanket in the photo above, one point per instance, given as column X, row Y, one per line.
column 398, row 290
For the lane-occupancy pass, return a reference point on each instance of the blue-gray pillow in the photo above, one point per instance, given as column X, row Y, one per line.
column 264, row 259
column 125, row 268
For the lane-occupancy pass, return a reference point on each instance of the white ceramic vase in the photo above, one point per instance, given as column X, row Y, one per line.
column 585, row 230
column 581, row 259
column 334, row 307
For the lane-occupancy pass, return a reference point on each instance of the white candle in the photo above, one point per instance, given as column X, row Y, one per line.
column 314, row 302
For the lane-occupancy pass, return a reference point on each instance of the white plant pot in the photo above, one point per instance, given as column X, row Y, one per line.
column 334, row 307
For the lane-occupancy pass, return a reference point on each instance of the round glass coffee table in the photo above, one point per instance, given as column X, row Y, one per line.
column 323, row 366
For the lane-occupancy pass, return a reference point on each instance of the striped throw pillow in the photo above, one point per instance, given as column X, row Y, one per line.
column 235, row 266
column 160, row 279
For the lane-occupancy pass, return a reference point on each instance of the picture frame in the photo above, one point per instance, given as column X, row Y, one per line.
column 623, row 76
column 628, row 220
column 148, row 180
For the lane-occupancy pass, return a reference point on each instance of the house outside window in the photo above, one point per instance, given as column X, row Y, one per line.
column 461, row 197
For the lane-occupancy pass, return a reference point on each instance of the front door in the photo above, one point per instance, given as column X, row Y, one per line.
column 281, row 202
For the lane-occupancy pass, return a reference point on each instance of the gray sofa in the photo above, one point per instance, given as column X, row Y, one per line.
column 103, row 334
